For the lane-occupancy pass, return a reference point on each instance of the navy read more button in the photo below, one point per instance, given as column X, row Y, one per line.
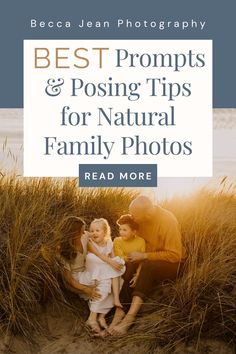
column 117, row 175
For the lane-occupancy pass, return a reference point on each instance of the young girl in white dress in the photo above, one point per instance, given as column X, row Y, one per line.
column 105, row 271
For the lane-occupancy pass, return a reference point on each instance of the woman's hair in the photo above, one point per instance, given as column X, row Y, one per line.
column 72, row 226
column 129, row 220
column 105, row 225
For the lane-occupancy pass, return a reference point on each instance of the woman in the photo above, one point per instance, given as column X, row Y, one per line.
column 73, row 250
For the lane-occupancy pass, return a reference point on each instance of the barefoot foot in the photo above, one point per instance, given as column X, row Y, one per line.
column 102, row 322
column 122, row 328
column 102, row 334
column 93, row 325
column 119, row 315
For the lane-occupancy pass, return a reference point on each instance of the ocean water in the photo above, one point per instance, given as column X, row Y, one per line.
column 224, row 151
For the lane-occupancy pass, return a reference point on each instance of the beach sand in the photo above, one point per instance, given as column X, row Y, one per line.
column 65, row 333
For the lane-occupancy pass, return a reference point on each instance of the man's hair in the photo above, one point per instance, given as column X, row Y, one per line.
column 141, row 202
column 129, row 220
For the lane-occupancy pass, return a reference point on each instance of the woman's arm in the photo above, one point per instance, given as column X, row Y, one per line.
column 91, row 292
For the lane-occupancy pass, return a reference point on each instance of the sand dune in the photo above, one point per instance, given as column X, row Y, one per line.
column 66, row 334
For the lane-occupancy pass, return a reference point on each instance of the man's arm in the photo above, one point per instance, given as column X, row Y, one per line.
column 169, row 256
column 172, row 248
column 172, row 251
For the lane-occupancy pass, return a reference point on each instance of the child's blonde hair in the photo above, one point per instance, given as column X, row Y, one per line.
column 106, row 227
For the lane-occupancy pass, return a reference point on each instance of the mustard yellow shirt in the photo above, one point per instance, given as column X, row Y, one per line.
column 163, row 237
column 123, row 247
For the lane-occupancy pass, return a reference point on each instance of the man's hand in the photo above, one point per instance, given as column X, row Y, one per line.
column 136, row 256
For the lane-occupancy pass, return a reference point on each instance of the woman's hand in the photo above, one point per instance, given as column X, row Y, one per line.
column 92, row 293
column 136, row 256
column 115, row 265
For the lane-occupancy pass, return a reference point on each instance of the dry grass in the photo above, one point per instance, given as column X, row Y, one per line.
column 202, row 303
column 32, row 212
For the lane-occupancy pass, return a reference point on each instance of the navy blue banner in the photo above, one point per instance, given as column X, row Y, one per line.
column 117, row 175
column 106, row 19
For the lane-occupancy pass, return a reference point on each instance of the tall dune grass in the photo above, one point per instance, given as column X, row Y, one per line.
column 201, row 303
column 32, row 212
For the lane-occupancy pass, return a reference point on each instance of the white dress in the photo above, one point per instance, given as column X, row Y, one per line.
column 100, row 270
column 102, row 273
column 90, row 270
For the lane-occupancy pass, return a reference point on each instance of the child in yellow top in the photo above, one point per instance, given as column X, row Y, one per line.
column 128, row 242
